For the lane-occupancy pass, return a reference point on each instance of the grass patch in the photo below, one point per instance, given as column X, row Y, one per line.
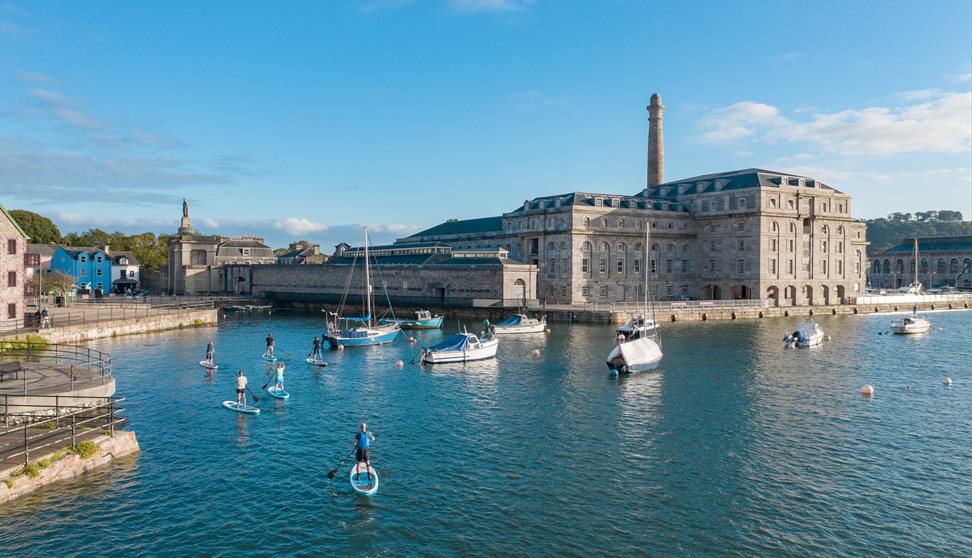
column 34, row 469
column 9, row 483
column 31, row 341
column 114, row 333
column 197, row 322
column 181, row 325
column 44, row 426
column 85, row 449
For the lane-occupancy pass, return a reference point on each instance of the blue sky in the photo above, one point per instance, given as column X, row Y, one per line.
column 306, row 119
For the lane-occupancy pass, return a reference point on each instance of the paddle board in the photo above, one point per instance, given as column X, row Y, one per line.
column 269, row 359
column 362, row 485
column 315, row 362
column 278, row 393
column 207, row 364
column 245, row 409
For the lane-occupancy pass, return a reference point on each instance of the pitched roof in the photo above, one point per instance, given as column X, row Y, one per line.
column 13, row 221
column 42, row 249
column 115, row 256
column 465, row 226
column 243, row 243
column 731, row 180
column 932, row 244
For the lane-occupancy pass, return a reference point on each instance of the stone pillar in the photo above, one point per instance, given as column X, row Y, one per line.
column 656, row 144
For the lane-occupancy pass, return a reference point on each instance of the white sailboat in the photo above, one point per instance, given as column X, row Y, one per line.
column 913, row 323
column 461, row 347
column 360, row 331
column 639, row 345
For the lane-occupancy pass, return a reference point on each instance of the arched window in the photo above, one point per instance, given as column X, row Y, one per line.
column 877, row 267
column 550, row 247
column 638, row 248
column 638, row 223
column 587, row 221
column 857, row 262
column 622, row 247
column 899, row 266
column 887, row 266
column 775, row 227
column 825, row 229
column 924, row 265
column 671, row 247
column 840, row 230
column 773, row 203
column 953, row 266
column 792, row 228
column 563, row 245
column 620, row 223
column 789, row 204
column 741, row 203
column 587, row 247
column 605, row 247
column 941, row 266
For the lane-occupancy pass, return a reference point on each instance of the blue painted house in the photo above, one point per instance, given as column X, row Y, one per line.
column 91, row 267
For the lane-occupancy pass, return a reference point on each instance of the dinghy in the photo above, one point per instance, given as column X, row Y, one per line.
column 244, row 409
column 362, row 484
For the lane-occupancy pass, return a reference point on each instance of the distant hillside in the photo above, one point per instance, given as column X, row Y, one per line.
column 887, row 232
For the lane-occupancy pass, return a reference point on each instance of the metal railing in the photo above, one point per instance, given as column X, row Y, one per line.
column 81, row 417
column 99, row 313
column 79, row 364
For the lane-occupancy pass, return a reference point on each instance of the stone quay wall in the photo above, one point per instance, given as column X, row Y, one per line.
column 109, row 448
column 112, row 328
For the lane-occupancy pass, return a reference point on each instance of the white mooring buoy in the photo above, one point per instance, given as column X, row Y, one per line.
column 867, row 390
column 536, row 353
column 947, row 382
column 399, row 363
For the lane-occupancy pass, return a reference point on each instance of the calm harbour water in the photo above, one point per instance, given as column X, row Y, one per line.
column 734, row 446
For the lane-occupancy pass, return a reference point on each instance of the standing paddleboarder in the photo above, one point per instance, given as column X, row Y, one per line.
column 270, row 343
column 280, row 370
column 363, row 441
column 317, row 350
column 240, row 389
column 210, row 351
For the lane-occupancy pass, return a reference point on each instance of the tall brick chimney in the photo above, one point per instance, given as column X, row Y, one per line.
column 656, row 143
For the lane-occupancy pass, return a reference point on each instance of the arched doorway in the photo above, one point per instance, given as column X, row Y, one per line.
column 809, row 291
column 826, row 294
column 840, row 294
column 773, row 295
column 712, row 292
column 789, row 294
column 520, row 288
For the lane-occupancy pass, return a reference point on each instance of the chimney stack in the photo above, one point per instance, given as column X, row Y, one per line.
column 656, row 144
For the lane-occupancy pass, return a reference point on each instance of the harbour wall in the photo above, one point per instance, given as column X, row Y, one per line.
column 130, row 326
column 69, row 466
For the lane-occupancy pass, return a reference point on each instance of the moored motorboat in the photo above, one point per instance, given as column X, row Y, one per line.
column 423, row 320
column 520, row 323
column 808, row 334
column 910, row 325
column 460, row 347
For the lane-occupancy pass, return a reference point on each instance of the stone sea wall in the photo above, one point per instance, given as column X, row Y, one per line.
column 69, row 466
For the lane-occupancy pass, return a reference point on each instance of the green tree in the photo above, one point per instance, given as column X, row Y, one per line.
column 40, row 229
column 53, row 282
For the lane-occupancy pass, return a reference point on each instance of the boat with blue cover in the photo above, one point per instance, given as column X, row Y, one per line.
column 359, row 331
column 461, row 347
column 423, row 320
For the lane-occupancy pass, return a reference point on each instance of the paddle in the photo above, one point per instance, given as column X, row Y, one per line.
column 273, row 376
column 332, row 472
column 253, row 395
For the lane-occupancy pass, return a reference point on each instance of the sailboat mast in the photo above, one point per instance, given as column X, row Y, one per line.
column 647, row 268
column 917, row 290
column 367, row 277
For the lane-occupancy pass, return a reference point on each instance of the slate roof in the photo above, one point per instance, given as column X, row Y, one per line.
column 410, row 259
column 732, row 180
column 45, row 250
column 115, row 256
column 932, row 244
column 465, row 226
column 243, row 243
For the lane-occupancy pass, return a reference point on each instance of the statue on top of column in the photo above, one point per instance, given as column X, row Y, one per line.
column 185, row 208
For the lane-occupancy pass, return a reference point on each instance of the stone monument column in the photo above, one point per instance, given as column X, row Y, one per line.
column 656, row 144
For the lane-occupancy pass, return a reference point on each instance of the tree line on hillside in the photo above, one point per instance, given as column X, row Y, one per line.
column 886, row 232
column 150, row 249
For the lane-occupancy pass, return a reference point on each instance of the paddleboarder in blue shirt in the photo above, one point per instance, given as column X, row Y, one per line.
column 269, row 353
column 363, row 441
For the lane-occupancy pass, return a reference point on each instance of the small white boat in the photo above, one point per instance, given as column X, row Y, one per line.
column 638, row 327
column 635, row 355
column 461, row 347
column 911, row 324
column 520, row 323
column 808, row 334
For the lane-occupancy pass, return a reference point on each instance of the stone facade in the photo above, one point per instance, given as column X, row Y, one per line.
column 196, row 261
column 942, row 261
column 435, row 277
column 12, row 271
column 749, row 234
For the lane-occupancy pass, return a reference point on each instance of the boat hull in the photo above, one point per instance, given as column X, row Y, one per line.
column 530, row 328
column 485, row 351
column 637, row 355
column 911, row 329
column 433, row 323
column 354, row 339
column 811, row 341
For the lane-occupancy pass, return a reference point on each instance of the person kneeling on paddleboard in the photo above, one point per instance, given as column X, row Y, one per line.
column 269, row 353
column 240, row 388
column 280, row 370
column 363, row 442
column 317, row 350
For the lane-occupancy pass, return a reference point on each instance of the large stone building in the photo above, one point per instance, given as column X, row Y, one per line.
column 942, row 261
column 747, row 234
column 12, row 271
column 196, row 261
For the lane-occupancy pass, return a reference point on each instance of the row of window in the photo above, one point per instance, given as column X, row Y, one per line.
column 791, row 205
column 943, row 266
column 824, row 266
column 604, row 290
column 621, row 247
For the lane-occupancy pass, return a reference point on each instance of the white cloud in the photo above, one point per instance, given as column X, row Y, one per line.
column 487, row 6
column 959, row 78
column 34, row 78
column 940, row 122
column 298, row 225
